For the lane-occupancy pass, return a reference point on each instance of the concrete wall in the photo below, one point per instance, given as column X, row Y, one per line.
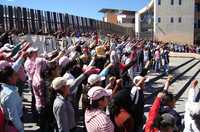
column 177, row 32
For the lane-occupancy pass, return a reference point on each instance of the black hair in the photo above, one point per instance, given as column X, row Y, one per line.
column 52, row 67
column 168, row 98
column 78, row 49
column 5, row 74
column 144, row 72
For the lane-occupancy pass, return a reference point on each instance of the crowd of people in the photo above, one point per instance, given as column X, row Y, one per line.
column 105, row 76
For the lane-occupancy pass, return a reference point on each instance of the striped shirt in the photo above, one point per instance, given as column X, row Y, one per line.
column 97, row 121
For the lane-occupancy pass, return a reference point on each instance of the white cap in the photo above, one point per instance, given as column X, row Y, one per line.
column 59, row 82
column 97, row 92
column 10, row 46
column 7, row 47
column 63, row 61
column 138, row 78
column 69, row 76
column 31, row 49
column 94, row 78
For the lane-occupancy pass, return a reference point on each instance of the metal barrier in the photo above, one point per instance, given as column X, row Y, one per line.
column 27, row 20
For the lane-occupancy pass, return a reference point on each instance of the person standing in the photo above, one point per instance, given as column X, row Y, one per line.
column 166, row 60
column 29, row 66
column 62, row 108
column 11, row 102
column 157, row 59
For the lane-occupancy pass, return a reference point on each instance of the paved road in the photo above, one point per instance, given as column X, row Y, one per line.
column 30, row 126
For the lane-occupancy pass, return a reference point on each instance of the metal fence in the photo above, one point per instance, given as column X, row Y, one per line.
column 27, row 20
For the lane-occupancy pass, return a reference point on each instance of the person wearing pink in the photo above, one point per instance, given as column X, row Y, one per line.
column 29, row 66
column 38, row 84
column 157, row 59
column 96, row 119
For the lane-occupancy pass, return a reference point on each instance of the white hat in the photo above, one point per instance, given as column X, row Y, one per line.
column 68, row 76
column 59, row 82
column 138, row 78
column 7, row 47
column 94, row 78
column 31, row 49
column 96, row 93
column 10, row 46
column 63, row 61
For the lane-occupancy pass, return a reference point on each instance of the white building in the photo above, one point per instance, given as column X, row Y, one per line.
column 169, row 21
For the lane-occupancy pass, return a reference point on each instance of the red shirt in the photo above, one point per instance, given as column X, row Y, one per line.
column 153, row 113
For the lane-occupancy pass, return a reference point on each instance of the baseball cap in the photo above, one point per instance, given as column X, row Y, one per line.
column 7, row 47
column 97, row 92
column 94, row 78
column 59, row 82
column 31, row 49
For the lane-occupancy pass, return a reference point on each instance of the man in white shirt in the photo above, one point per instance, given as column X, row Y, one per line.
column 193, row 92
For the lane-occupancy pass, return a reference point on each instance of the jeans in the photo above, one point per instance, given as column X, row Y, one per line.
column 157, row 65
column 166, row 68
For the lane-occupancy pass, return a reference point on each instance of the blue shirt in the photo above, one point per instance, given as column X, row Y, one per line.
column 12, row 105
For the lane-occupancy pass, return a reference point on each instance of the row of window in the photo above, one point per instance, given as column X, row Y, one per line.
column 171, row 20
column 172, row 2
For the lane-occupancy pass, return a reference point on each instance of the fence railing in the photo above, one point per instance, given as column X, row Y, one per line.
column 33, row 21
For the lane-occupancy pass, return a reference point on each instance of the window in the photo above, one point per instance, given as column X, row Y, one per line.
column 159, row 19
column 197, row 7
column 195, row 23
column 159, row 2
column 179, row 20
column 172, row 20
column 172, row 2
column 180, row 2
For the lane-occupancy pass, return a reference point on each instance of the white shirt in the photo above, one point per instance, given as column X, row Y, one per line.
column 192, row 94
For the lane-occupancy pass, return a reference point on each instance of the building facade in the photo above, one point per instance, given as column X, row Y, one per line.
column 170, row 21
column 122, row 18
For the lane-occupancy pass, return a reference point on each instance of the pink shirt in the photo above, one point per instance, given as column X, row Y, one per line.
column 157, row 55
column 38, row 82
column 97, row 121
column 29, row 66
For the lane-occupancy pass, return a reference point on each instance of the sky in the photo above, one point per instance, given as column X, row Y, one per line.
column 85, row 8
